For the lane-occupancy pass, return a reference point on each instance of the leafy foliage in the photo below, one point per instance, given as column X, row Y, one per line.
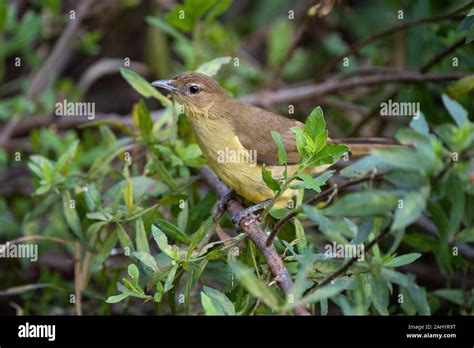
column 124, row 200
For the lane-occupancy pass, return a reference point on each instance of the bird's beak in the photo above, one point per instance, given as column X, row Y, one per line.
column 165, row 85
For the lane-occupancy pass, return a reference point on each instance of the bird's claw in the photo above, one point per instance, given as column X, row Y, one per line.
column 237, row 218
column 222, row 204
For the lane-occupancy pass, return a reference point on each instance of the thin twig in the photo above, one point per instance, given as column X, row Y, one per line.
column 389, row 31
column 77, row 279
column 301, row 93
column 250, row 226
column 344, row 268
column 393, row 93
column 290, row 94
column 319, row 197
column 37, row 237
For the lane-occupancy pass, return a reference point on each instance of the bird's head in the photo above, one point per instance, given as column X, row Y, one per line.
column 197, row 92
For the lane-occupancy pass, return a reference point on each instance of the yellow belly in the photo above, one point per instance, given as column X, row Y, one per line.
column 233, row 164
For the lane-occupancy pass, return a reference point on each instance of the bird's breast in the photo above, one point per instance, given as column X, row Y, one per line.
column 235, row 165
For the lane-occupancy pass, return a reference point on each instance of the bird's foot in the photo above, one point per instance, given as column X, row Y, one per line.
column 222, row 204
column 237, row 218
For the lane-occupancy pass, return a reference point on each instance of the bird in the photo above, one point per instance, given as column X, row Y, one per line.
column 236, row 138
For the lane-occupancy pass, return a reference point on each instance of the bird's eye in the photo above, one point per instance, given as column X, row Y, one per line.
column 193, row 89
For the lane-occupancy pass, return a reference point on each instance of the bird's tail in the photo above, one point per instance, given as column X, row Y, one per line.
column 363, row 146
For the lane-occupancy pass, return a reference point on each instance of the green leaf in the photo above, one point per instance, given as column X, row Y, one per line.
column 170, row 278
column 143, row 187
column 454, row 295
column 216, row 303
column 329, row 154
column 414, row 203
column 134, row 273
column 320, row 141
column 212, row 67
column 65, row 158
column 333, row 229
column 419, row 124
column 313, row 183
column 461, row 87
column 369, row 203
column 380, row 293
column 470, row 35
column 393, row 158
column 164, row 174
column 3, row 15
column 327, row 291
column 124, row 238
column 113, row 124
column 254, row 285
column 315, row 123
column 220, row 7
column 118, row 298
column 128, row 191
column 24, row 33
column 421, row 241
column 200, row 234
column 162, row 242
column 147, row 259
column 279, row 41
column 300, row 140
column 267, row 177
column 193, row 11
column 402, row 260
column 104, row 251
column 140, row 236
column 302, row 243
column 281, row 148
column 466, row 236
column 70, row 213
column 172, row 231
column 142, row 86
column 142, row 118
column 159, row 23
column 457, row 112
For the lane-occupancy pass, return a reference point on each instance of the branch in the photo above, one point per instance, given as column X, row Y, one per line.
column 301, row 93
column 286, row 95
column 344, row 268
column 319, row 197
column 50, row 68
column 392, row 94
column 251, row 227
column 399, row 27
column 103, row 67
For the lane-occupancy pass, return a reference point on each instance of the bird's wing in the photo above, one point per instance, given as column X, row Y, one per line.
column 253, row 126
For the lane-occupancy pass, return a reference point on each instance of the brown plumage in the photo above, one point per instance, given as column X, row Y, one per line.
column 221, row 122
